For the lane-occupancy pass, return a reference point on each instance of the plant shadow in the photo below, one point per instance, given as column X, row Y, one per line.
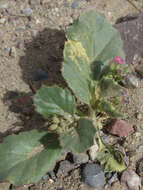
column 45, row 53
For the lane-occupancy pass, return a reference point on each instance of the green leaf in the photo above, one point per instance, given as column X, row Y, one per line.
column 90, row 39
column 26, row 157
column 76, row 70
column 54, row 100
column 109, row 87
column 106, row 107
column 80, row 138
column 111, row 157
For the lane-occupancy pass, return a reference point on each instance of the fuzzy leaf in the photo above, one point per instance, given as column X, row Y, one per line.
column 91, row 38
column 108, row 109
column 54, row 100
column 111, row 157
column 26, row 157
column 109, row 87
column 80, row 138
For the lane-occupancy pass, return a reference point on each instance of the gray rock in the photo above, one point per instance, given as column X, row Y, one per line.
column 93, row 175
column 75, row 4
column 80, row 158
column 131, row 81
column 64, row 168
column 27, row 11
column 111, row 178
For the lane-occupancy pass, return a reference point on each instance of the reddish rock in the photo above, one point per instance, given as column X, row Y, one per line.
column 120, row 128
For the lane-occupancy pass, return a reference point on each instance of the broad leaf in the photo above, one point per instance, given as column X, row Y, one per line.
column 76, row 70
column 26, row 157
column 106, row 107
column 111, row 157
column 80, row 138
column 91, row 38
column 109, row 87
column 54, row 100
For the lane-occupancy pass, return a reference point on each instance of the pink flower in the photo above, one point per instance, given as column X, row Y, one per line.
column 119, row 60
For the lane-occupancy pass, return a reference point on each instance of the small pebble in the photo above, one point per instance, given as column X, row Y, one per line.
column 27, row 11
column 80, row 158
column 139, row 116
column 52, row 175
column 93, row 152
column 45, row 177
column 8, row 49
column 76, row 3
column 64, row 168
column 2, row 20
column 112, row 178
column 20, row 45
column 93, row 175
column 131, row 81
column 13, row 52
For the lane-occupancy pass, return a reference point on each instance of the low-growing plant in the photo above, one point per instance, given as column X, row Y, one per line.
column 93, row 69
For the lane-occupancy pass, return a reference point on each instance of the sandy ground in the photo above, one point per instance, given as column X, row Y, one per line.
column 32, row 41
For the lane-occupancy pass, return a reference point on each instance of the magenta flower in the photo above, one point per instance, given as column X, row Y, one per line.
column 119, row 60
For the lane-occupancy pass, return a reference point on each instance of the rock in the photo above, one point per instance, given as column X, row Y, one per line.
column 20, row 45
column 131, row 81
column 131, row 179
column 93, row 175
column 64, row 168
column 120, row 128
column 93, row 152
column 12, row 52
column 34, row 2
column 8, row 49
column 45, row 177
column 139, row 116
column 80, row 158
column 75, row 4
column 40, row 75
column 130, row 30
column 27, row 11
column 139, row 69
column 52, row 175
column 4, row 186
column 111, row 178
